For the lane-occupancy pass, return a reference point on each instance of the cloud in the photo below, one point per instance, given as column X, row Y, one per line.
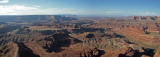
column 34, row 10
column 150, row 13
column 14, row 9
column 113, row 12
column 4, row 1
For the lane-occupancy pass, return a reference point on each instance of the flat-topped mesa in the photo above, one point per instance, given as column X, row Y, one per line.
column 29, row 18
column 62, row 18
column 139, row 18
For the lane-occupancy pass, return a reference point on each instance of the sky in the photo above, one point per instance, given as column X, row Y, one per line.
column 81, row 7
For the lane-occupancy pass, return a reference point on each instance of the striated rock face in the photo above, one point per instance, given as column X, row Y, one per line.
column 54, row 42
column 16, row 50
column 4, row 39
column 9, row 50
column 157, row 54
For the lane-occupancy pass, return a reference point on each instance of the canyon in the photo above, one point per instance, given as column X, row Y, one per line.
column 73, row 36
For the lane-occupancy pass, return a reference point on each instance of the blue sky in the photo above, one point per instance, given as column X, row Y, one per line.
column 80, row 7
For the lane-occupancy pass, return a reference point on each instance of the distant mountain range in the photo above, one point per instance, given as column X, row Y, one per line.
column 138, row 18
column 28, row 18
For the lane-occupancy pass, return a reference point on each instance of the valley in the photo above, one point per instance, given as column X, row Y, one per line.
column 74, row 36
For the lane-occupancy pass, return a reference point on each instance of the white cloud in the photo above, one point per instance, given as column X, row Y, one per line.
column 27, row 10
column 113, row 12
column 13, row 9
column 150, row 13
column 4, row 1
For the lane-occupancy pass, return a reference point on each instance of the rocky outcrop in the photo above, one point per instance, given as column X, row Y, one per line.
column 16, row 50
column 157, row 54
column 129, row 52
column 54, row 42
column 4, row 39
column 91, row 53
